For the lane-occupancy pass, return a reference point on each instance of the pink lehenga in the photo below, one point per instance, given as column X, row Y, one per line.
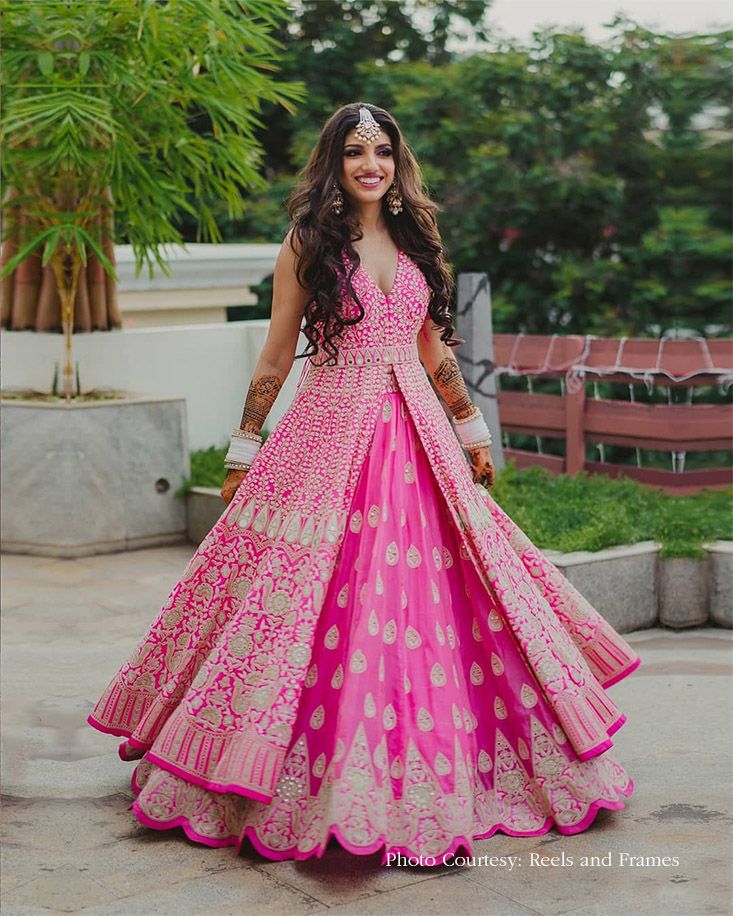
column 365, row 645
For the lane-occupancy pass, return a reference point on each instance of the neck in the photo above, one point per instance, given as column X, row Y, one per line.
column 371, row 218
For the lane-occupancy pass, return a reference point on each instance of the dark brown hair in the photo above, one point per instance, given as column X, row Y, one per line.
column 319, row 235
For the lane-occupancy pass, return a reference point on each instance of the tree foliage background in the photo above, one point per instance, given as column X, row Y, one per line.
column 591, row 181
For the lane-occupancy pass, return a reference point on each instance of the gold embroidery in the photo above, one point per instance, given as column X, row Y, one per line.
column 476, row 674
column 311, row 677
column 439, row 635
column 413, row 557
column 370, row 707
column 437, row 675
column 331, row 639
column 409, row 472
column 412, row 638
column 240, row 645
column 319, row 765
column 392, row 554
column 484, row 761
column 343, row 596
column 457, row 717
column 299, row 655
column 476, row 630
column 495, row 622
column 436, row 592
column 437, row 559
column 379, row 585
column 424, row 720
column 407, row 686
column 527, row 696
column 373, row 624
column 338, row 678
column 389, row 633
column 358, row 663
column 497, row 666
column 389, row 717
column 373, row 516
column 318, row 717
column 500, row 710
column 442, row 764
column 356, row 522
column 451, row 636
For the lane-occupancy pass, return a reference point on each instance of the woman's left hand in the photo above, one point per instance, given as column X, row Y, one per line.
column 482, row 466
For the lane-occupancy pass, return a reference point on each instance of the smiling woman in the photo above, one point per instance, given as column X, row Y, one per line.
column 365, row 646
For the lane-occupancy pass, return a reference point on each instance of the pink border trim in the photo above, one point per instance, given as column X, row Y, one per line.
column 207, row 784
column 622, row 674
column 604, row 745
column 381, row 844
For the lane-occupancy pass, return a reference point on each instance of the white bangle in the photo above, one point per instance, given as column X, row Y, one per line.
column 241, row 450
column 473, row 432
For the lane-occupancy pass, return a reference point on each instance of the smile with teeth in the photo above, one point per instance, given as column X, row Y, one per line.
column 369, row 182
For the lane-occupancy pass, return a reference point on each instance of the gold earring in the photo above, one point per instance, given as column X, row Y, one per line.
column 394, row 201
column 338, row 200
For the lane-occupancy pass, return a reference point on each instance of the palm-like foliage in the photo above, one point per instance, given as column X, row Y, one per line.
column 150, row 104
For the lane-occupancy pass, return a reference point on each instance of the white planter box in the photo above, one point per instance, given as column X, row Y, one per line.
column 93, row 477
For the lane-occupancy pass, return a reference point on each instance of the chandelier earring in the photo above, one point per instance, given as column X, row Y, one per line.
column 337, row 205
column 394, row 200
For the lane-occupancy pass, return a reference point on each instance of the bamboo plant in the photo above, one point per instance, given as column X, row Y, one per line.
column 141, row 110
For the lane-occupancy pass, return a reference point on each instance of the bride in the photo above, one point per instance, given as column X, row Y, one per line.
column 365, row 646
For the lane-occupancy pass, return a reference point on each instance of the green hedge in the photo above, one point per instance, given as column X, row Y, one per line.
column 585, row 512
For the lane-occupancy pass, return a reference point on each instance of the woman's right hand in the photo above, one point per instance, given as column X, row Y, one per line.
column 231, row 484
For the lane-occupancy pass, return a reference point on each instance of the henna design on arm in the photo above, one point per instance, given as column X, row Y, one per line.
column 261, row 396
column 452, row 387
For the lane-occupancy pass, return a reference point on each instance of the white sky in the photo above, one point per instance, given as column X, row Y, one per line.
column 518, row 18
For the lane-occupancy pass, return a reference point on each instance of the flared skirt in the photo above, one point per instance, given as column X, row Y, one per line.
column 421, row 726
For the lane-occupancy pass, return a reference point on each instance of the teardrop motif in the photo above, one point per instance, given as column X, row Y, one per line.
column 412, row 638
column 389, row 633
column 392, row 554
column 338, row 678
column 527, row 696
column 373, row 623
column 424, row 720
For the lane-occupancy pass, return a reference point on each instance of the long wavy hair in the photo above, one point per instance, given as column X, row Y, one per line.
column 319, row 235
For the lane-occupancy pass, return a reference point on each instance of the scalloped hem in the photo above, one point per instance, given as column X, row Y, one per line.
column 381, row 845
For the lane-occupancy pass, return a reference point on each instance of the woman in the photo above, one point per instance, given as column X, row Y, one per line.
column 364, row 645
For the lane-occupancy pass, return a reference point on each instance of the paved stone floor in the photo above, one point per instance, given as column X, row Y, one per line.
column 71, row 845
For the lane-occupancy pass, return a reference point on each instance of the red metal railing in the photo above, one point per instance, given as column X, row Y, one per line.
column 677, row 428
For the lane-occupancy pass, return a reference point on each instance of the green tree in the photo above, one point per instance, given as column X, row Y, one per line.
column 589, row 179
column 154, row 106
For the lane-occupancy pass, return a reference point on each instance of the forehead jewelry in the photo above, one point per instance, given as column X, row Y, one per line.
column 367, row 129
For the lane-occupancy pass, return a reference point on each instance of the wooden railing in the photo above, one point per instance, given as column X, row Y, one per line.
column 579, row 420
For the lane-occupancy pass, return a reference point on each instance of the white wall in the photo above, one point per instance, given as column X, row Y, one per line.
column 210, row 365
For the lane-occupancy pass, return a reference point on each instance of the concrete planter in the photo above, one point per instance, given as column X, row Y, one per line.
column 95, row 477
column 684, row 592
column 721, row 582
column 205, row 505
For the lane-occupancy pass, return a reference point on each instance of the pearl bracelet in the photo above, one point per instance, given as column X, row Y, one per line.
column 473, row 431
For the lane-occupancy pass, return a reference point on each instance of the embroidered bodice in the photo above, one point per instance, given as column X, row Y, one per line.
column 392, row 320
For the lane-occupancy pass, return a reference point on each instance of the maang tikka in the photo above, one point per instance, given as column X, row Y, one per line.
column 367, row 130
